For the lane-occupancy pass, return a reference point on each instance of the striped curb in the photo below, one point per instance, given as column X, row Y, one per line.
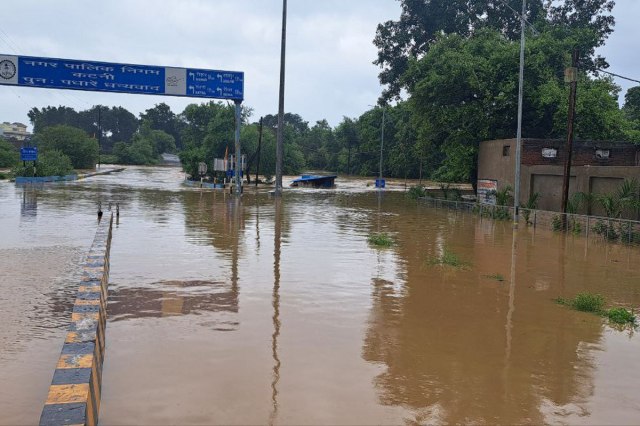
column 74, row 395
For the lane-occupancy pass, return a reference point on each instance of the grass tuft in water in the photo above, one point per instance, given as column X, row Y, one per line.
column 587, row 302
column 620, row 316
column 584, row 302
column 380, row 240
column 449, row 258
column 497, row 277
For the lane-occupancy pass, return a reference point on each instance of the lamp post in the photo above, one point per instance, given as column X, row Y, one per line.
column 381, row 146
column 279, row 142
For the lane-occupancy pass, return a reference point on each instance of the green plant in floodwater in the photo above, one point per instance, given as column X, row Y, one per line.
column 584, row 302
column 587, row 302
column 620, row 316
column 380, row 240
column 449, row 258
column 497, row 277
column 416, row 192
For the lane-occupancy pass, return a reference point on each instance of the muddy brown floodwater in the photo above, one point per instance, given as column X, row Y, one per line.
column 263, row 311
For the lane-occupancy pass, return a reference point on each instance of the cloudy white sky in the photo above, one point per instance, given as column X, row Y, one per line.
column 329, row 50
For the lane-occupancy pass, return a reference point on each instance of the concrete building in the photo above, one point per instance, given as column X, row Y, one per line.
column 15, row 131
column 597, row 167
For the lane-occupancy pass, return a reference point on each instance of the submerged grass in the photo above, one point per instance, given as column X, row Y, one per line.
column 449, row 258
column 380, row 240
column 620, row 316
column 588, row 302
column 497, row 277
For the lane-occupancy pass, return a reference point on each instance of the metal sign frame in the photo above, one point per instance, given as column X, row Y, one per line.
column 73, row 74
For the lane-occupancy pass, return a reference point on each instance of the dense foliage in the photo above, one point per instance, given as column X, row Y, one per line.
column 8, row 154
column 72, row 142
column 50, row 163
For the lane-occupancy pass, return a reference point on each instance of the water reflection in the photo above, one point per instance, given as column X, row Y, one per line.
column 173, row 298
column 444, row 338
column 276, row 309
column 29, row 206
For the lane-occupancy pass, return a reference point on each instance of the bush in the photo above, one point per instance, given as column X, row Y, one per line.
column 72, row 142
column 108, row 159
column 587, row 302
column 50, row 163
column 620, row 316
column 380, row 240
column 9, row 156
column 416, row 192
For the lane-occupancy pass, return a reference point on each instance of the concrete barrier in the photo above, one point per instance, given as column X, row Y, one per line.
column 74, row 395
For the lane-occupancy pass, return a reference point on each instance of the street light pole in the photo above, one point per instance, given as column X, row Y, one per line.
column 516, row 190
column 381, row 142
column 279, row 137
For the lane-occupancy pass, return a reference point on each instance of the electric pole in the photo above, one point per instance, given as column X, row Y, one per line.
column 279, row 141
column 259, row 148
column 570, row 76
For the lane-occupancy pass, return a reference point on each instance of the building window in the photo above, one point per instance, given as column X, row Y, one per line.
column 549, row 153
column 506, row 150
column 602, row 154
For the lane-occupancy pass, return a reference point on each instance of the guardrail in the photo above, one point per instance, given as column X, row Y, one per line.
column 609, row 229
column 74, row 395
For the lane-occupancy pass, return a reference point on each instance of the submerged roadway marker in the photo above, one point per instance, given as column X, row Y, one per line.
column 74, row 395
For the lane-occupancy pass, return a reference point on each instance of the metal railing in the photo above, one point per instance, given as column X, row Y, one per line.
column 613, row 230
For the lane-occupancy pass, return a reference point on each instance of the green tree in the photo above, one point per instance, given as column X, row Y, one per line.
column 162, row 118
column 423, row 22
column 9, row 156
column 73, row 142
column 53, row 116
column 465, row 90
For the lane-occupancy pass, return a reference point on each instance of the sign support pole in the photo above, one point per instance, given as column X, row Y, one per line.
column 238, row 165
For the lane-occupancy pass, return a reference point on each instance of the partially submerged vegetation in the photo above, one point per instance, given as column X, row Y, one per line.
column 380, row 240
column 496, row 277
column 449, row 258
column 594, row 303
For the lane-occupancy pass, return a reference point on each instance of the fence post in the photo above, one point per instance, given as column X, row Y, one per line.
column 588, row 226
column 535, row 218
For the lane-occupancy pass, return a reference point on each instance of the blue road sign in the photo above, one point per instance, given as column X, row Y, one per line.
column 74, row 74
column 29, row 154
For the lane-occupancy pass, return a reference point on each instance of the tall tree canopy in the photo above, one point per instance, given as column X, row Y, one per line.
column 422, row 22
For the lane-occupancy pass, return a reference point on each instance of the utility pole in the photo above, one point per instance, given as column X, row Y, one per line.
column 238, row 165
column 259, row 148
column 382, row 141
column 99, row 134
column 571, row 77
column 279, row 141
column 516, row 190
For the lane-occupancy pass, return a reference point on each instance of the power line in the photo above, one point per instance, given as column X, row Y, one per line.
column 10, row 40
column 618, row 75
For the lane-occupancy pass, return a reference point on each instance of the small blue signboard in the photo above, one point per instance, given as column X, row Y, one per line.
column 29, row 154
column 380, row 183
column 74, row 74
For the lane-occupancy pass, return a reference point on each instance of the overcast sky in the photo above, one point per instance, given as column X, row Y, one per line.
column 329, row 49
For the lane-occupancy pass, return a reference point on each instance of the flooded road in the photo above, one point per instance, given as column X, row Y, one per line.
column 279, row 311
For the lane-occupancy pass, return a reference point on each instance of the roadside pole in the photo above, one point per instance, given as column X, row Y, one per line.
column 238, row 165
column 259, row 148
column 516, row 189
column 279, row 141
column 571, row 76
